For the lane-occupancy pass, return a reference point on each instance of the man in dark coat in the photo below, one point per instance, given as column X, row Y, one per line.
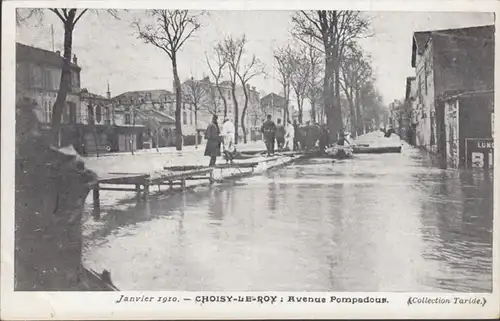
column 269, row 131
column 280, row 135
column 323, row 138
column 212, row 135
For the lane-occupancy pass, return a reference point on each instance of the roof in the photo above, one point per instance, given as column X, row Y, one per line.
column 33, row 54
column 155, row 94
column 276, row 100
column 87, row 94
column 421, row 38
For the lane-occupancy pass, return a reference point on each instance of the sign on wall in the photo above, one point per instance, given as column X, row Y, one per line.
column 479, row 152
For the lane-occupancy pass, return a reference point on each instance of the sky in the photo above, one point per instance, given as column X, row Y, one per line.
column 109, row 52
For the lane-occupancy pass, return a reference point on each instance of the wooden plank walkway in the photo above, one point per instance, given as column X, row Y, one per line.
column 123, row 181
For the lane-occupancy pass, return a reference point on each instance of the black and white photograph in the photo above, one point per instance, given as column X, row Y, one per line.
column 343, row 152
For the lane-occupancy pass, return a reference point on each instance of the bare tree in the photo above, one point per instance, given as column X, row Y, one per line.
column 330, row 32
column 232, row 51
column 283, row 64
column 249, row 71
column 300, row 77
column 197, row 94
column 355, row 72
column 217, row 70
column 69, row 17
column 169, row 31
column 314, row 91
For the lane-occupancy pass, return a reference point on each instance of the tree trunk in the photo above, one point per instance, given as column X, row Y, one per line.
column 65, row 83
column 195, row 127
column 243, row 114
column 332, row 110
column 352, row 117
column 236, row 114
column 299, row 107
column 178, row 105
column 359, row 116
column 313, row 110
column 222, row 96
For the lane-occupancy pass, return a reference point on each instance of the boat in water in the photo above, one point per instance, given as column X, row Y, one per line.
column 376, row 150
column 340, row 152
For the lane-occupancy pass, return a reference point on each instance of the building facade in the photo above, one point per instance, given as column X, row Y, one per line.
column 210, row 101
column 449, row 63
column 274, row 105
column 38, row 76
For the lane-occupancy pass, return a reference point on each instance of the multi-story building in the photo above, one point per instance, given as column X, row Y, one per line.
column 155, row 109
column 274, row 105
column 452, row 63
column 38, row 76
column 212, row 103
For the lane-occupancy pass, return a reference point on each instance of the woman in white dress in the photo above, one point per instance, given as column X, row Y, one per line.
column 227, row 133
column 289, row 136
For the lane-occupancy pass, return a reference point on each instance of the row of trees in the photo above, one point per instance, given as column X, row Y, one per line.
column 325, row 63
column 169, row 30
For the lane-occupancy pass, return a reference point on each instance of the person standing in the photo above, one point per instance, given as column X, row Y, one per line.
column 342, row 138
column 323, row 138
column 227, row 134
column 289, row 137
column 212, row 135
column 269, row 131
column 280, row 135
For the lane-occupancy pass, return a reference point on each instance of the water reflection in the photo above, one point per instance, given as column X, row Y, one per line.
column 379, row 223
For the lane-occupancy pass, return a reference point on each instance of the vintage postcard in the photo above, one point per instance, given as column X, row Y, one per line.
column 249, row 159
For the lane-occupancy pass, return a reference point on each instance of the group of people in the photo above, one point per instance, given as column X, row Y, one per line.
column 216, row 137
column 287, row 137
column 296, row 137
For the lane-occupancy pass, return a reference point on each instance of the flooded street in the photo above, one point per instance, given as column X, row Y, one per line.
column 387, row 222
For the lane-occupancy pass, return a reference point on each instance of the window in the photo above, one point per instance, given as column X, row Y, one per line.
column 107, row 116
column 184, row 106
column 90, row 113
column 72, row 112
column 184, row 118
column 127, row 119
column 65, row 115
column 47, row 79
column 191, row 118
column 98, row 114
column 47, row 111
column 229, row 94
column 36, row 76
column 75, row 79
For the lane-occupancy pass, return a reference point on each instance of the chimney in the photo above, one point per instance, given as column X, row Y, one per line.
column 253, row 88
column 75, row 60
column 108, row 93
column 58, row 52
column 248, row 86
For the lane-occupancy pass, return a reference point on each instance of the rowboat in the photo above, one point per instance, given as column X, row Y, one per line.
column 376, row 150
column 340, row 152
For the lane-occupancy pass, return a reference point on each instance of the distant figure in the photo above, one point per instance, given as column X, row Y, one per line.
column 389, row 131
column 269, row 131
column 289, row 137
column 297, row 135
column 227, row 134
column 342, row 138
column 212, row 135
column 280, row 135
column 324, row 138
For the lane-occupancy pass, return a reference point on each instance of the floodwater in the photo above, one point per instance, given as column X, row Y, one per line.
column 390, row 222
